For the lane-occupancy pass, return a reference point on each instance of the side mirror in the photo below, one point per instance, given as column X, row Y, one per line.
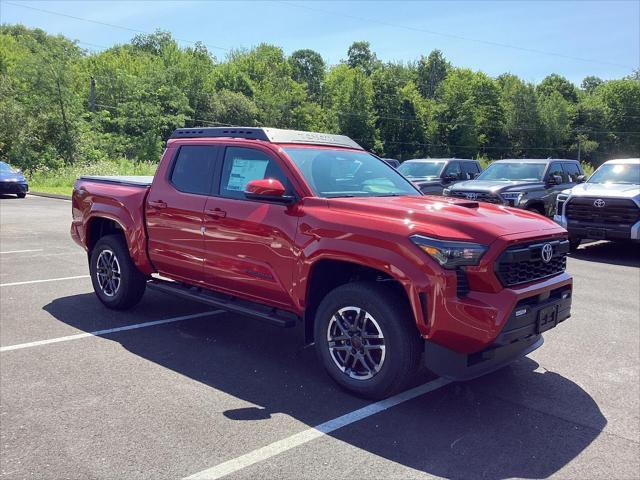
column 581, row 179
column 268, row 189
column 450, row 178
column 554, row 180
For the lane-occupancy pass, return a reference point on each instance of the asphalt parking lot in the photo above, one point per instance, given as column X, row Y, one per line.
column 207, row 391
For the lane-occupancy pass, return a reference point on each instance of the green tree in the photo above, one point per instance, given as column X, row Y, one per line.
column 432, row 70
column 556, row 83
column 350, row 102
column 360, row 55
column 308, row 67
column 590, row 83
column 522, row 125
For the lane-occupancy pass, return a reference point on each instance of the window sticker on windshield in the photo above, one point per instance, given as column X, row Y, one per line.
column 243, row 171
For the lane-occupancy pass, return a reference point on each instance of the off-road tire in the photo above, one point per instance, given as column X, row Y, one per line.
column 392, row 314
column 132, row 282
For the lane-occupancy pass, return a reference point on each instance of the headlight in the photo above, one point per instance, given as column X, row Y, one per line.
column 512, row 196
column 450, row 254
column 446, row 191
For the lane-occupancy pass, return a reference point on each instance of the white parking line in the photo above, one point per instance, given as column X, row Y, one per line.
column 98, row 333
column 22, row 251
column 42, row 281
column 310, row 434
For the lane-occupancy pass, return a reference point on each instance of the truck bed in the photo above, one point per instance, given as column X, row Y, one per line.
column 131, row 180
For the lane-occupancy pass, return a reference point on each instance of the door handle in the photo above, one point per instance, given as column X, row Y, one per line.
column 215, row 213
column 159, row 204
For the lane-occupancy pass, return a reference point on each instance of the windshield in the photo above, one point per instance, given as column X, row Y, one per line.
column 5, row 168
column 344, row 173
column 421, row 169
column 617, row 173
column 505, row 172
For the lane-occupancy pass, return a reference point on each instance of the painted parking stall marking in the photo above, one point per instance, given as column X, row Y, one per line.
column 28, row 282
column 99, row 333
column 281, row 446
column 22, row 251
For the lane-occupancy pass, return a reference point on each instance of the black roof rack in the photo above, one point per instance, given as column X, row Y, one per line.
column 273, row 135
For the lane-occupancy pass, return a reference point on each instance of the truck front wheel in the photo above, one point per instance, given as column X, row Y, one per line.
column 366, row 339
column 116, row 280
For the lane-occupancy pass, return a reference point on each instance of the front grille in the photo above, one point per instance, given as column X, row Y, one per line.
column 523, row 263
column 479, row 196
column 615, row 211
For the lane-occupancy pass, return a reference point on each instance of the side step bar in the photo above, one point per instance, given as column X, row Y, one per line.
column 276, row 317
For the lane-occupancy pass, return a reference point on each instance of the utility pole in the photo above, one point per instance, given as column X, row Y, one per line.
column 92, row 94
column 578, row 147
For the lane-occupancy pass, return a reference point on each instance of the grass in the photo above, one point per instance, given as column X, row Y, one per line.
column 60, row 181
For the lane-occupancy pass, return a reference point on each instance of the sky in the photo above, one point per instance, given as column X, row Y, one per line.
column 528, row 38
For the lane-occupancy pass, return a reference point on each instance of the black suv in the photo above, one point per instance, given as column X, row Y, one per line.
column 432, row 175
column 532, row 184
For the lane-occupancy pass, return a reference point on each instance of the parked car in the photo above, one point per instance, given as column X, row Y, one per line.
column 298, row 228
column 531, row 184
column 607, row 207
column 392, row 161
column 12, row 181
column 432, row 175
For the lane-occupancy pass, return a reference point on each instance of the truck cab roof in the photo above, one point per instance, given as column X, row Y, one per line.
column 534, row 160
column 270, row 135
column 437, row 160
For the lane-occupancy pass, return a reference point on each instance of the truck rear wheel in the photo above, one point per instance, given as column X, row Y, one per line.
column 116, row 280
column 366, row 339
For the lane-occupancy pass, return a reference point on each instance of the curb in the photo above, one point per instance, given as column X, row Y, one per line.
column 50, row 195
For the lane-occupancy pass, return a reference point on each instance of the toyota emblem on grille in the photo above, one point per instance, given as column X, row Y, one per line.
column 546, row 253
column 599, row 203
column 471, row 196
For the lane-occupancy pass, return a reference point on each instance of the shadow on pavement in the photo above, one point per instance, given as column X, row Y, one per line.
column 615, row 253
column 521, row 421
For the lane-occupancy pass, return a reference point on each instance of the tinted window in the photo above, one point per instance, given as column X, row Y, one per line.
column 454, row 169
column 241, row 165
column 572, row 170
column 470, row 169
column 193, row 169
column 556, row 169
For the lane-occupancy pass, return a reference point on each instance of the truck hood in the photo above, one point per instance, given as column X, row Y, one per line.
column 442, row 217
column 494, row 186
column 425, row 181
column 610, row 190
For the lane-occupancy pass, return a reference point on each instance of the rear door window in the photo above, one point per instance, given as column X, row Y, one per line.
column 193, row 169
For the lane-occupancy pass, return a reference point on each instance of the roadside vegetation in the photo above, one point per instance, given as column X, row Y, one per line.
column 66, row 111
column 60, row 180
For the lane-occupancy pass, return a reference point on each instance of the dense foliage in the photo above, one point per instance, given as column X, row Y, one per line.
column 61, row 106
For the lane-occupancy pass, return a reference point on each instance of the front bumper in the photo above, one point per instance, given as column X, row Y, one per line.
column 13, row 187
column 521, row 334
column 597, row 231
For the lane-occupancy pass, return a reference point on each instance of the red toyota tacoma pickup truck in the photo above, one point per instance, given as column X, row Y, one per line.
column 301, row 228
